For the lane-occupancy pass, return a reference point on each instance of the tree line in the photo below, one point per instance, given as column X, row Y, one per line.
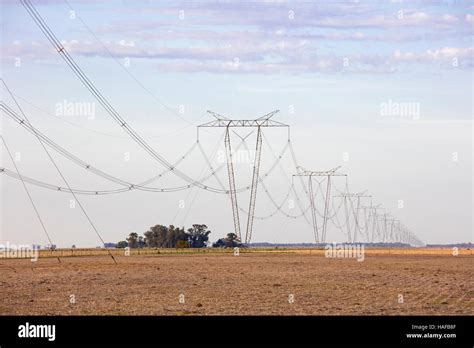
column 160, row 236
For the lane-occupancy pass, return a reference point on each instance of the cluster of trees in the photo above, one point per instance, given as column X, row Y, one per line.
column 231, row 241
column 160, row 236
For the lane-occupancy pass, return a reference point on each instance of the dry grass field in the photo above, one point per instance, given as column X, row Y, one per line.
column 284, row 282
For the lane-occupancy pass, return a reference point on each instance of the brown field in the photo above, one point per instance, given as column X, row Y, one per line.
column 253, row 283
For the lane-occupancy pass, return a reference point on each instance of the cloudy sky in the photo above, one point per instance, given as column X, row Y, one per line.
column 381, row 88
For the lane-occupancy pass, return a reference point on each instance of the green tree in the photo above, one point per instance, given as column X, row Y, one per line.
column 122, row 244
column 177, row 237
column 198, row 236
column 220, row 243
column 230, row 241
column 150, row 240
column 156, row 236
column 160, row 236
column 133, row 240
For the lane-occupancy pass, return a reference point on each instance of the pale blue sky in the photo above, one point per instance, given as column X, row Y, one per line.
column 335, row 63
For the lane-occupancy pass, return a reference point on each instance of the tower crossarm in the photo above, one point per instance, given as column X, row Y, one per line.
column 263, row 121
column 359, row 194
column 332, row 172
column 218, row 117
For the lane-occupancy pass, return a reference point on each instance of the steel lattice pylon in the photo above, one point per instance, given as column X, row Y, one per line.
column 232, row 191
column 310, row 174
column 253, row 192
column 264, row 121
column 356, row 212
column 371, row 217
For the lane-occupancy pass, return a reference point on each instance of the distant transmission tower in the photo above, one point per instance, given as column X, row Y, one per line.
column 358, row 196
column 259, row 123
column 375, row 227
column 388, row 227
column 310, row 174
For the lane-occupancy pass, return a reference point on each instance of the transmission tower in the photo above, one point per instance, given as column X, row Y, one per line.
column 389, row 227
column 370, row 217
column 375, row 227
column 310, row 174
column 397, row 231
column 259, row 123
column 358, row 196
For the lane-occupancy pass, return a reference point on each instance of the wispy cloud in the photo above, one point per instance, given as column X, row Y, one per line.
column 250, row 57
column 275, row 37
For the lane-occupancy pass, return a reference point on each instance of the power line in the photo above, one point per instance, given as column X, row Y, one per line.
column 61, row 174
column 264, row 187
column 208, row 162
column 397, row 230
column 43, row 226
column 129, row 73
column 73, row 124
column 310, row 174
column 128, row 185
column 61, row 50
column 227, row 123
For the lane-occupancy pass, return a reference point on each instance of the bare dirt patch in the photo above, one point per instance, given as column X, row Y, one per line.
column 248, row 284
